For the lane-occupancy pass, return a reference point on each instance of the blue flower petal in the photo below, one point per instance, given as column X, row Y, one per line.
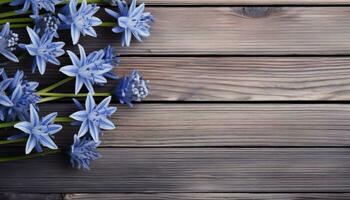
column 34, row 117
column 79, row 116
column 31, row 142
column 83, row 128
column 26, row 127
column 49, row 119
column 46, row 141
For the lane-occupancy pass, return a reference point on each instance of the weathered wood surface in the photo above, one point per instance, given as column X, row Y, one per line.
column 215, row 148
column 221, row 125
column 226, row 78
column 209, row 196
column 30, row 196
column 125, row 170
column 177, row 196
column 240, row 31
column 246, row 2
column 237, row 31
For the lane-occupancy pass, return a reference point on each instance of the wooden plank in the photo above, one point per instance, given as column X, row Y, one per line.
column 236, row 2
column 177, row 196
column 240, row 31
column 30, row 196
column 211, row 170
column 208, row 196
column 246, row 2
column 212, row 125
column 226, row 78
column 236, row 31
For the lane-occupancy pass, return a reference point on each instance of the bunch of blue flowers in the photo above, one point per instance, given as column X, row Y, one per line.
column 20, row 98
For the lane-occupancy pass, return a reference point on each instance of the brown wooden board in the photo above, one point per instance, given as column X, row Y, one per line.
column 225, row 78
column 240, row 31
column 236, row 31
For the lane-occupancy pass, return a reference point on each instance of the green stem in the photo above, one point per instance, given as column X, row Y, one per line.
column 13, row 141
column 88, row 1
column 62, row 95
column 53, row 86
column 12, row 13
column 19, row 25
column 47, row 99
column 63, row 119
column 108, row 24
column 5, row 1
column 7, row 124
column 16, row 20
column 24, row 157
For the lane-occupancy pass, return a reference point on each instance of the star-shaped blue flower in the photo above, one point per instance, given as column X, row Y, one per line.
column 94, row 118
column 81, row 20
column 132, row 88
column 110, row 56
column 8, row 42
column 82, row 152
column 21, row 94
column 39, row 131
column 88, row 70
column 36, row 5
column 131, row 20
column 44, row 50
column 4, row 99
column 16, row 97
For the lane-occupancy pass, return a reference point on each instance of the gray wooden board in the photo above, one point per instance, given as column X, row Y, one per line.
column 186, row 170
column 218, row 125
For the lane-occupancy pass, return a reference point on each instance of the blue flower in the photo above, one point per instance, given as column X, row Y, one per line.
column 8, row 42
column 80, row 21
column 94, row 118
column 44, row 50
column 131, row 20
column 110, row 57
column 4, row 99
column 39, row 131
column 131, row 88
column 82, row 152
column 21, row 94
column 46, row 24
column 88, row 70
column 48, row 5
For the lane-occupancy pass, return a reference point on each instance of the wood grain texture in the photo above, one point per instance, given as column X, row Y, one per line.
column 225, row 78
column 243, row 78
column 233, row 30
column 140, row 170
column 236, row 31
column 209, row 196
column 30, row 196
column 246, row 2
column 220, row 125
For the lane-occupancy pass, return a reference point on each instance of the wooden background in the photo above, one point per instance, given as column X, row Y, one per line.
column 247, row 102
